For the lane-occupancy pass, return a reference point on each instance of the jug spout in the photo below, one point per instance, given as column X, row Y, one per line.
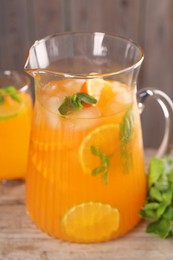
column 37, row 60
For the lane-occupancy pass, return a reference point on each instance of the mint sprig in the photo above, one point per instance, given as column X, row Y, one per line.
column 158, row 208
column 75, row 102
column 10, row 91
column 126, row 131
column 103, row 168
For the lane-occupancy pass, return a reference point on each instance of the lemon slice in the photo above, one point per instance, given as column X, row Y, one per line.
column 91, row 222
column 10, row 108
column 105, row 138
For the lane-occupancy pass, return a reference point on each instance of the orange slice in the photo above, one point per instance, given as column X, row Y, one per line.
column 105, row 138
column 94, row 87
column 91, row 222
column 114, row 98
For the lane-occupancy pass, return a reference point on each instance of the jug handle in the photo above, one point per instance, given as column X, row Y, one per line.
column 167, row 107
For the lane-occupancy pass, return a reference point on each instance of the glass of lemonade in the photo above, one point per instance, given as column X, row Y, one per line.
column 15, row 124
column 86, row 180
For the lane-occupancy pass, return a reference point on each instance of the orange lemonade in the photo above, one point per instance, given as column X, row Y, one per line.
column 15, row 123
column 86, row 180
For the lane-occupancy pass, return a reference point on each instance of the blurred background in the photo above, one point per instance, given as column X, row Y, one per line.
column 147, row 22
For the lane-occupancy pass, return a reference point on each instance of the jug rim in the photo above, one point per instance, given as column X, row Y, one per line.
column 34, row 71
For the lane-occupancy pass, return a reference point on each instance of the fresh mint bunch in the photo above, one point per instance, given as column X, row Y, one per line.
column 159, row 202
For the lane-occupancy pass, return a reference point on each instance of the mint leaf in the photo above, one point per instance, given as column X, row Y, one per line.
column 156, row 169
column 126, row 131
column 170, row 176
column 126, row 127
column 161, row 209
column 73, row 103
column 155, row 194
column 103, row 168
column 105, row 177
column 12, row 92
column 2, row 95
column 169, row 213
column 1, row 99
column 151, row 205
column 97, row 170
column 66, row 107
column 162, row 228
column 148, row 214
column 167, row 196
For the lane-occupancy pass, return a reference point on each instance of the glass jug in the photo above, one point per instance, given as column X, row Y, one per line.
column 86, row 180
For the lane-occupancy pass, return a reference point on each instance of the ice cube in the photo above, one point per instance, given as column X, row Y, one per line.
column 52, row 104
column 52, row 119
column 83, row 119
column 87, row 112
column 124, row 97
column 72, row 86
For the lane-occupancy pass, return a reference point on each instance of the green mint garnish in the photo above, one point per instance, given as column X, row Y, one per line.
column 158, row 208
column 103, row 168
column 1, row 99
column 11, row 91
column 126, row 131
column 156, row 169
column 74, row 103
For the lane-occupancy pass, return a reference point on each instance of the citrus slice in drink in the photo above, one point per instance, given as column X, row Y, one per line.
column 91, row 222
column 10, row 108
column 114, row 99
column 105, row 138
column 112, row 96
column 93, row 87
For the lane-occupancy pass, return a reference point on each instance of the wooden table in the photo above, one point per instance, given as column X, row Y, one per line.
column 21, row 240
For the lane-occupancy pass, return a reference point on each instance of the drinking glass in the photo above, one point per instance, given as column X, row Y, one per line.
column 15, row 124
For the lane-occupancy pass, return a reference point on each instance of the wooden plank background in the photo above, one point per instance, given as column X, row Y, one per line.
column 148, row 22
